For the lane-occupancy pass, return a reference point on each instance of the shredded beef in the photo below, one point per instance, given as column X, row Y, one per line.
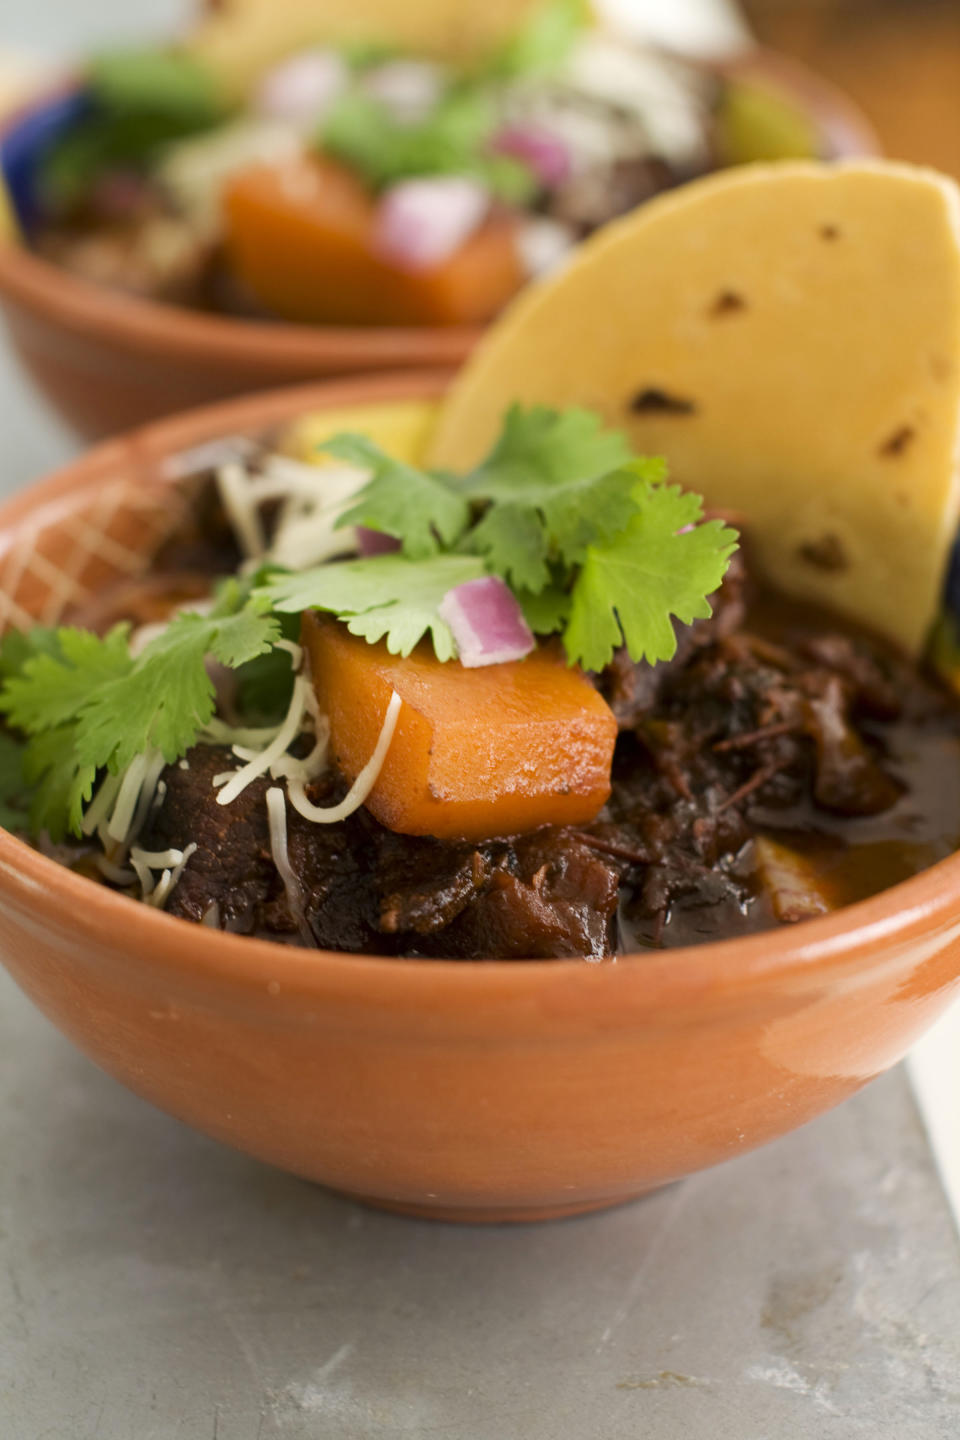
column 363, row 888
column 740, row 727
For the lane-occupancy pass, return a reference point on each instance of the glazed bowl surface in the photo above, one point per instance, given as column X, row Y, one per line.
column 480, row 1090
column 108, row 361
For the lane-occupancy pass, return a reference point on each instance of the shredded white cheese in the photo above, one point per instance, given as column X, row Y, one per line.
column 121, row 820
column 241, row 508
column 361, row 787
column 149, row 790
column 170, row 879
column 261, row 763
column 293, row 649
column 313, row 499
column 223, row 734
column 118, row 874
column 277, row 814
column 101, row 804
column 171, row 862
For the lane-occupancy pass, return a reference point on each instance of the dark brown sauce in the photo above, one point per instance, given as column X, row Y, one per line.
column 852, row 857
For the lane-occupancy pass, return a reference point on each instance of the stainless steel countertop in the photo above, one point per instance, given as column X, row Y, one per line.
column 156, row 1286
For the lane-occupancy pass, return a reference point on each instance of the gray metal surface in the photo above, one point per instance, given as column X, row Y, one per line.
column 155, row 1286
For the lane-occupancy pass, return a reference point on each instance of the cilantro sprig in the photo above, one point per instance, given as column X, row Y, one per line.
column 453, row 139
column 86, row 705
column 390, row 597
column 594, row 543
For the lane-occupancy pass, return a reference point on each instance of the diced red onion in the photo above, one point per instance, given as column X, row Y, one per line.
column 544, row 153
column 487, row 622
column 408, row 88
column 374, row 542
column 421, row 223
column 302, row 89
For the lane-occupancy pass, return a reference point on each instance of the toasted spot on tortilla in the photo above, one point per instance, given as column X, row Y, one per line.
column 654, row 401
column 826, row 553
column 792, row 399
column 829, row 232
column 728, row 302
column 898, row 442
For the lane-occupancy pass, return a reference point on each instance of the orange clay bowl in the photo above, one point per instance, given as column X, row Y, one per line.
column 468, row 1091
column 108, row 361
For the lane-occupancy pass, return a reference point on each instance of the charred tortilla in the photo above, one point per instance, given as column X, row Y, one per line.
column 789, row 337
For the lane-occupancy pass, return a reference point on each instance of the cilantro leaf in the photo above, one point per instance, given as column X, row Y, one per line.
column 547, row 611
column 43, row 785
column 454, row 139
column 52, row 686
column 544, row 41
column 167, row 696
column 557, row 482
column 628, row 589
column 63, row 782
column 18, row 646
column 387, row 597
column 140, row 100
column 165, row 83
column 14, row 786
column 414, row 507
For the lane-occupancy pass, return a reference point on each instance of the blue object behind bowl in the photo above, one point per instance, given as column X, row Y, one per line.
column 25, row 145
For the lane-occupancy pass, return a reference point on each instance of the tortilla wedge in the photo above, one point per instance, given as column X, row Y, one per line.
column 241, row 39
column 788, row 336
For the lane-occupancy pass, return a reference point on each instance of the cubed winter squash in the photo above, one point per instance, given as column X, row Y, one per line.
column 476, row 753
column 301, row 237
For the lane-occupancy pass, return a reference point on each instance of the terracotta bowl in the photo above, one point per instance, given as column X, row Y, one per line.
column 107, row 361
column 469, row 1091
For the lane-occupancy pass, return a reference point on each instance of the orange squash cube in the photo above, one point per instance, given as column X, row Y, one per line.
column 476, row 753
column 300, row 236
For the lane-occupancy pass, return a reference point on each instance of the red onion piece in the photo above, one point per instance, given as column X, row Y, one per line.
column 302, row 88
column 421, row 223
column 487, row 623
column 374, row 542
column 545, row 154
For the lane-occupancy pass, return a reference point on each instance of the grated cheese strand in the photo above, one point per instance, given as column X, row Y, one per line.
column 217, row 730
column 120, row 821
column 361, row 787
column 170, row 879
column 295, row 650
column 157, row 859
column 277, row 814
column 145, row 876
column 101, row 804
column 148, row 793
column 288, row 732
column 118, row 874
column 234, row 487
column 312, row 765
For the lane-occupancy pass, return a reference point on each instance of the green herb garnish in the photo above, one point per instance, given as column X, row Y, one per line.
column 454, row 139
column 388, row 597
column 90, row 706
column 141, row 101
column 594, row 543
column 544, row 41
column 597, row 547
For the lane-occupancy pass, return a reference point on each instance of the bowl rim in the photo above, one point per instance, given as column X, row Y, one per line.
column 87, row 308
column 923, row 905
